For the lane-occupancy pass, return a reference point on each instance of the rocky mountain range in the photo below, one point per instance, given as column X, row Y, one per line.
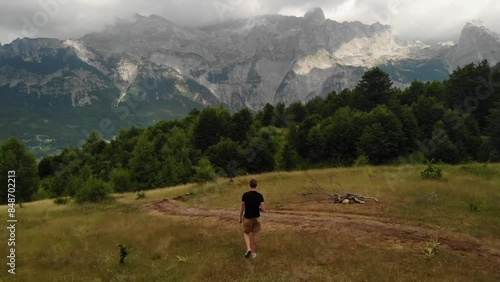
column 145, row 69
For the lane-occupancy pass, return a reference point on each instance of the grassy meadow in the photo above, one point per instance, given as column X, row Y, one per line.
column 80, row 243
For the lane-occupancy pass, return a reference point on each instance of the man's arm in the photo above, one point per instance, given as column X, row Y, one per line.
column 263, row 207
column 242, row 210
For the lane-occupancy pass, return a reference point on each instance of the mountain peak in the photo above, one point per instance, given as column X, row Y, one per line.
column 151, row 18
column 476, row 43
column 475, row 27
column 315, row 15
column 475, row 23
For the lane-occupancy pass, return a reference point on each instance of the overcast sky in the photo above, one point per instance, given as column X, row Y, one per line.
column 427, row 20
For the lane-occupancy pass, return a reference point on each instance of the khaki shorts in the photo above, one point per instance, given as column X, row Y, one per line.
column 251, row 225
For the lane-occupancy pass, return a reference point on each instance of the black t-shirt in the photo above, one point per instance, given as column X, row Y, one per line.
column 252, row 200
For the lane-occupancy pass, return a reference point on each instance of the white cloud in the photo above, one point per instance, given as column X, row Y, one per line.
column 423, row 19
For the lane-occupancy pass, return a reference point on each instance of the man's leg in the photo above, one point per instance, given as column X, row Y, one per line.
column 255, row 239
column 247, row 241
column 248, row 253
column 247, row 229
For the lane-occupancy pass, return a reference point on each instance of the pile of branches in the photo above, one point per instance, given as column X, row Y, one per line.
column 348, row 198
column 351, row 198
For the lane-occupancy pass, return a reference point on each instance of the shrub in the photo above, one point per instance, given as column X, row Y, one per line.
column 362, row 160
column 479, row 169
column 93, row 191
column 289, row 159
column 487, row 151
column 49, row 188
column 474, row 206
column 432, row 248
column 123, row 253
column 432, row 171
column 204, row 171
column 120, row 180
column 141, row 195
column 74, row 184
column 41, row 194
column 61, row 201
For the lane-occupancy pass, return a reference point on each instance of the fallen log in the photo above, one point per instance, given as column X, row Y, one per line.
column 350, row 198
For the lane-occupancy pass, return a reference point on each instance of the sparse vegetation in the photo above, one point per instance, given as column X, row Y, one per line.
column 373, row 123
column 194, row 249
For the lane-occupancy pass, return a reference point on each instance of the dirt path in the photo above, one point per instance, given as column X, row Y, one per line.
column 328, row 221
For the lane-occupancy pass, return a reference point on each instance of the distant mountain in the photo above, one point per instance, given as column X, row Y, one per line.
column 476, row 43
column 139, row 71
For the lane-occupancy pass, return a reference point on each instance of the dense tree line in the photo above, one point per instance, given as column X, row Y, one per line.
column 452, row 121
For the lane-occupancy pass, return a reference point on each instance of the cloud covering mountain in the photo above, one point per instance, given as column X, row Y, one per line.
column 426, row 20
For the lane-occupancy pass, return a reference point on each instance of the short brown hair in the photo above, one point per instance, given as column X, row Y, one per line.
column 253, row 183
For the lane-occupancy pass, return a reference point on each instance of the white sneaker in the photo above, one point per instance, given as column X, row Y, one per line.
column 254, row 255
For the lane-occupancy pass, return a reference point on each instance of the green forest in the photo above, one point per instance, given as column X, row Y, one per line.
column 454, row 121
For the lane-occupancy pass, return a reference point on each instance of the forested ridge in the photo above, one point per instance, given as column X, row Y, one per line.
column 454, row 121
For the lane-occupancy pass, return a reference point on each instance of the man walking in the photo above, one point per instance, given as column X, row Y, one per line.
column 252, row 203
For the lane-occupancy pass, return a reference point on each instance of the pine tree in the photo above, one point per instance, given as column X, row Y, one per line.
column 374, row 89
